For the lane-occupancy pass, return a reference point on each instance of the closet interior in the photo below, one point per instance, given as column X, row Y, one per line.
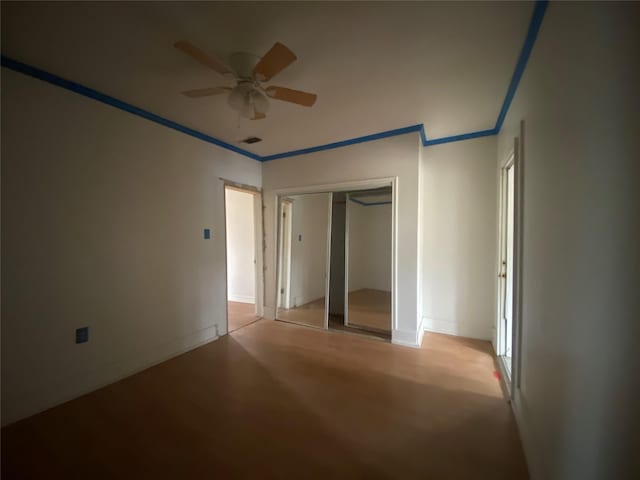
column 335, row 260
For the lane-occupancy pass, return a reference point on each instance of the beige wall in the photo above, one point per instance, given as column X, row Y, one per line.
column 577, row 401
column 102, row 226
column 309, row 221
column 369, row 247
column 391, row 157
column 459, row 237
column 241, row 276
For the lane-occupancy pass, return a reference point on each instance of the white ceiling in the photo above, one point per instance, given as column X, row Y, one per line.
column 375, row 66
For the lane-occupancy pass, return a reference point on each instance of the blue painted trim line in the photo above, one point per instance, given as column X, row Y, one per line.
column 423, row 135
column 530, row 40
column 532, row 33
column 114, row 102
column 344, row 143
column 365, row 204
column 458, row 138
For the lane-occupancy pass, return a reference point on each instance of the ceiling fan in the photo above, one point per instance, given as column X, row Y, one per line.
column 249, row 96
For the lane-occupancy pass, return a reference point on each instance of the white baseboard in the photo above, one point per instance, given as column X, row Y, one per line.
column 420, row 331
column 241, row 298
column 406, row 338
column 455, row 328
column 67, row 388
column 268, row 313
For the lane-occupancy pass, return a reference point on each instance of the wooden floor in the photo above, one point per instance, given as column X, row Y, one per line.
column 310, row 314
column 371, row 309
column 368, row 309
column 337, row 323
column 275, row 400
column 240, row 315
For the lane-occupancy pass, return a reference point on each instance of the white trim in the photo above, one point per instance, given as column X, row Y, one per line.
column 62, row 389
column 515, row 159
column 503, row 263
column 454, row 328
column 284, row 210
column 346, row 260
column 327, row 267
column 241, row 298
column 405, row 338
column 258, row 258
column 258, row 248
column 336, row 187
column 345, row 187
column 268, row 313
column 504, row 372
column 420, row 331
column 518, row 239
column 394, row 253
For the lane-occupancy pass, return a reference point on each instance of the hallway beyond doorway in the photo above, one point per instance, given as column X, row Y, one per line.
column 240, row 315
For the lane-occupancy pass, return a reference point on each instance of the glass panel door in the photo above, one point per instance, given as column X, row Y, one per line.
column 304, row 233
column 369, row 234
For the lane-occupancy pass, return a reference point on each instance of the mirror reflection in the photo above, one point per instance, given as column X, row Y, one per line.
column 302, row 265
column 369, row 232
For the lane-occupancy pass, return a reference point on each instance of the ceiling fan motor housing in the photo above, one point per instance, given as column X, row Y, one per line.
column 247, row 99
column 243, row 64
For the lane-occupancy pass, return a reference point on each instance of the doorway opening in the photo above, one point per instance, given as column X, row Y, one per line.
column 509, row 308
column 335, row 259
column 505, row 275
column 242, row 241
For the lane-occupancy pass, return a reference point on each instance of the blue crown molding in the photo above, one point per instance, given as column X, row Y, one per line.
column 114, row 102
column 344, row 143
column 369, row 204
column 458, row 138
column 534, row 27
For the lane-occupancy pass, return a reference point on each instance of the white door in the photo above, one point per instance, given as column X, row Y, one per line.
column 284, row 265
column 506, row 270
column 508, row 279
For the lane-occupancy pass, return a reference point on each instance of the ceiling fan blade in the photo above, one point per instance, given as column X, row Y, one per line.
column 293, row 96
column 258, row 116
column 273, row 62
column 204, row 58
column 206, row 92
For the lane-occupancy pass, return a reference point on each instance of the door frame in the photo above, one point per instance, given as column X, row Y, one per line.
column 258, row 245
column 327, row 278
column 342, row 187
column 284, row 265
column 512, row 159
column 346, row 260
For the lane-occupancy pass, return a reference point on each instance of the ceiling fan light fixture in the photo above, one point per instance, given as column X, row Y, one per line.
column 239, row 95
column 247, row 110
column 248, row 101
column 260, row 102
column 249, row 97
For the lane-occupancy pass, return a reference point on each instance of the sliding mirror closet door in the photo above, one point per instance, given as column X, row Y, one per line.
column 303, row 250
column 368, row 290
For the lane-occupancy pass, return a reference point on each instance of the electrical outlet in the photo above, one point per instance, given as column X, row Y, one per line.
column 82, row 335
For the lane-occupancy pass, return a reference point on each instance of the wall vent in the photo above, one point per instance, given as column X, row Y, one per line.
column 251, row 140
